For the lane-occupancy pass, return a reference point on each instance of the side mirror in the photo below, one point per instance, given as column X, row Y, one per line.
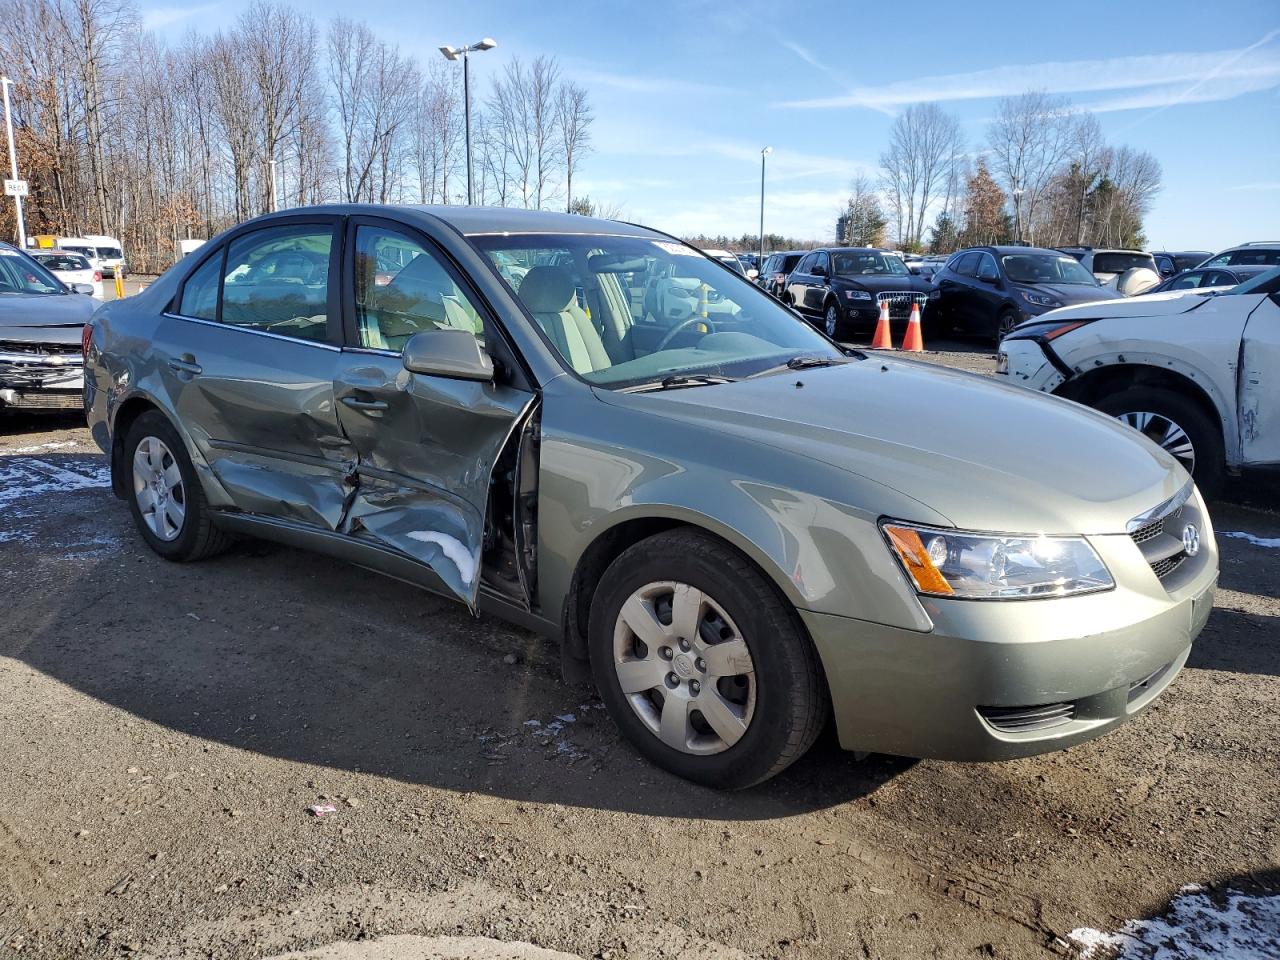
column 819, row 271
column 84, row 288
column 449, row 352
column 992, row 279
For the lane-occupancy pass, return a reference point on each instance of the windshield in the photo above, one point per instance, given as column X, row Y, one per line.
column 623, row 311
column 1046, row 268
column 109, row 253
column 867, row 263
column 56, row 261
column 20, row 274
column 1120, row 262
column 1263, row 283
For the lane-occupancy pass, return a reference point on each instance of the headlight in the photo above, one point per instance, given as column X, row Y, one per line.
column 1039, row 299
column 857, row 295
column 988, row 566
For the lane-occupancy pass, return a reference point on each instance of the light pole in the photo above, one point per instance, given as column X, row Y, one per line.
column 5, row 84
column 760, row 263
column 451, row 53
column 1017, row 212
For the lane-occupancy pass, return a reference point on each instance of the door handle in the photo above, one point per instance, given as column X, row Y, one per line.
column 374, row 406
column 186, row 365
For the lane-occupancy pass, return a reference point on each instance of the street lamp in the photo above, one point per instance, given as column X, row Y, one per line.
column 760, row 264
column 451, row 53
column 5, row 84
column 1017, row 212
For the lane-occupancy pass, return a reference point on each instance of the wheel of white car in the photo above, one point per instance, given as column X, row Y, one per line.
column 1178, row 425
column 703, row 665
column 164, row 493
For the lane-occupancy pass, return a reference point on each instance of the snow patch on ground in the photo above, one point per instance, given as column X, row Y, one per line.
column 1272, row 543
column 1233, row 926
column 24, row 477
column 551, row 734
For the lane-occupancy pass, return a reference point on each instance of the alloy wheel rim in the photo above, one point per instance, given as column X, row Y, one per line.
column 684, row 668
column 158, row 489
column 1163, row 431
column 832, row 320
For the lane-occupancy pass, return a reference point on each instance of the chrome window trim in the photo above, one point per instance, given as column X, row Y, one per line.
column 322, row 344
column 1162, row 509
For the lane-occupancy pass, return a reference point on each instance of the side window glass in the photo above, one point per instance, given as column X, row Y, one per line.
column 277, row 280
column 967, row 265
column 804, row 264
column 987, row 267
column 824, row 262
column 1187, row 281
column 200, row 292
column 401, row 288
column 1221, row 261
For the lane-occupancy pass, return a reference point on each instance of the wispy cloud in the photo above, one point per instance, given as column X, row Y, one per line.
column 159, row 17
column 832, row 74
column 641, row 83
column 1163, row 77
column 1262, row 185
column 807, row 214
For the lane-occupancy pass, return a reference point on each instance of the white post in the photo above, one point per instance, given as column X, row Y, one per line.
column 5, row 83
column 271, row 193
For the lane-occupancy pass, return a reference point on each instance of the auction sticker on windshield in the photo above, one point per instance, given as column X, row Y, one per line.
column 677, row 249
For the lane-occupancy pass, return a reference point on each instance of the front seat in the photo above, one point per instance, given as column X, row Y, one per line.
column 549, row 294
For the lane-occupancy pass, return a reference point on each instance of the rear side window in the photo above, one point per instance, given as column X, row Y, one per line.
column 967, row 264
column 1120, row 262
column 277, row 281
column 200, row 293
column 1250, row 257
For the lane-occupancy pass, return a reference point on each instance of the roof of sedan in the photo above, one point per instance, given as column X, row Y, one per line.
column 472, row 221
column 1014, row 248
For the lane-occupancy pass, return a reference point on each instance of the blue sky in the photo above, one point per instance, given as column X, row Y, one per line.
column 686, row 93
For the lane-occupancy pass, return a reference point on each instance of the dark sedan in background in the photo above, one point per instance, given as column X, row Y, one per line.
column 1170, row 263
column 1208, row 277
column 777, row 267
column 987, row 291
column 41, row 321
column 841, row 289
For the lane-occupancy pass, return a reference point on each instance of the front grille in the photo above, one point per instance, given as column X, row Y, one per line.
column 45, row 400
column 1027, row 719
column 900, row 302
column 29, row 366
column 1149, row 532
column 1162, row 568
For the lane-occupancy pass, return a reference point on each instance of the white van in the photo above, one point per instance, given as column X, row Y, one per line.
column 103, row 252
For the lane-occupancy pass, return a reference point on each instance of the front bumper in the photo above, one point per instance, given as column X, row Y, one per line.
column 996, row 680
column 1025, row 364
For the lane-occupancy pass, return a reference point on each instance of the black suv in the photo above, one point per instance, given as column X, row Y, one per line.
column 842, row 289
column 773, row 275
column 987, row 291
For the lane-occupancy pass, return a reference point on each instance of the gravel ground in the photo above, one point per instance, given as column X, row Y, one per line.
column 165, row 728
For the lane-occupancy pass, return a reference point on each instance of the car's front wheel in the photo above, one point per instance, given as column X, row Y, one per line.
column 1178, row 426
column 165, row 496
column 1007, row 321
column 831, row 320
column 705, row 668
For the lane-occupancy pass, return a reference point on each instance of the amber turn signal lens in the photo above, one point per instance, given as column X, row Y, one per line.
column 911, row 551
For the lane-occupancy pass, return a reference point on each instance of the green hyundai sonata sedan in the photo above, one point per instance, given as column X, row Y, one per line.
column 734, row 527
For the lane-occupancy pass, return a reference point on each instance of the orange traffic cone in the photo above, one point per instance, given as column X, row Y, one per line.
column 883, row 340
column 913, row 341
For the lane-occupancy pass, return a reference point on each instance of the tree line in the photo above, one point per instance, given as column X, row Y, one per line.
column 120, row 133
column 1045, row 175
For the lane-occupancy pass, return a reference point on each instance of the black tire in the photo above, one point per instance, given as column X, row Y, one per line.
column 791, row 705
column 832, row 322
column 197, row 538
column 1205, row 436
column 1006, row 322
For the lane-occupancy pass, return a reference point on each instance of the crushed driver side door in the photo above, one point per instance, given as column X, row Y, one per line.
column 426, row 445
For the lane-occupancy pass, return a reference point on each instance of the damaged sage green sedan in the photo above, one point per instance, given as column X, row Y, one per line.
column 735, row 527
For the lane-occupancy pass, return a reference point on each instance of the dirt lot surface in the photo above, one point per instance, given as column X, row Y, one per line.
column 165, row 728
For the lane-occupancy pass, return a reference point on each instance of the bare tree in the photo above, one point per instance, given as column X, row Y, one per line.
column 1030, row 138
column 925, row 144
column 574, row 119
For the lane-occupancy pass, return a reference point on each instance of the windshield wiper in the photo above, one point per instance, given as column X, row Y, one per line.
column 802, row 363
column 678, row 380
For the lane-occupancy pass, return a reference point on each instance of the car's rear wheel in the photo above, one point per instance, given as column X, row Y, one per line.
column 1178, row 426
column 705, row 668
column 831, row 320
column 165, row 497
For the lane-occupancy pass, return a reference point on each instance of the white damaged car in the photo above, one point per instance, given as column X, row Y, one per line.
column 1198, row 372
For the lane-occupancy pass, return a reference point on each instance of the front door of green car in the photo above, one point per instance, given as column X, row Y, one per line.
column 426, row 445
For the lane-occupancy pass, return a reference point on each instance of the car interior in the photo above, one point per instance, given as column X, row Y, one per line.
column 622, row 309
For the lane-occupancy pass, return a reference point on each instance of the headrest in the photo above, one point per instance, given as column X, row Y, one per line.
column 547, row 289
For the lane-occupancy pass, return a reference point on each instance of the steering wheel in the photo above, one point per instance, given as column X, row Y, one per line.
column 679, row 327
